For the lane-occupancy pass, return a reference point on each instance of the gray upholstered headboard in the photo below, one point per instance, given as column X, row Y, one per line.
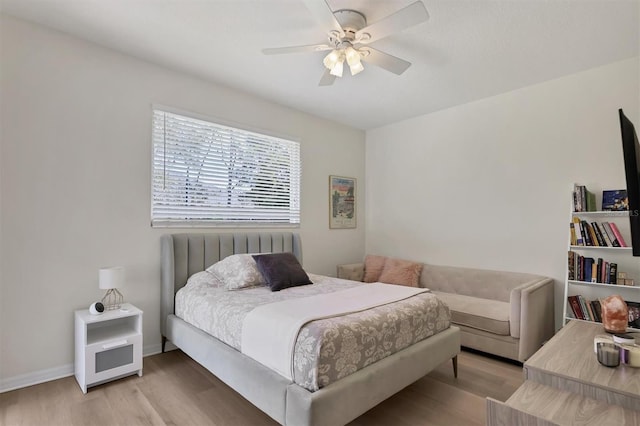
column 182, row 255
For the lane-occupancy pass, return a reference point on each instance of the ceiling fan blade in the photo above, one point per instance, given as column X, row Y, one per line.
column 296, row 49
column 324, row 15
column 411, row 15
column 327, row 79
column 385, row 61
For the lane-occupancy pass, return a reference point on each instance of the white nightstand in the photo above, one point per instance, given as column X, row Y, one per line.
column 108, row 346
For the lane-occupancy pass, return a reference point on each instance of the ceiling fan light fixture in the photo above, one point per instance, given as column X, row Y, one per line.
column 353, row 59
column 352, row 55
column 356, row 68
column 331, row 59
column 338, row 68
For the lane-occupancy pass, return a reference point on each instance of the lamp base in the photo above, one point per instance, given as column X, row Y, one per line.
column 112, row 299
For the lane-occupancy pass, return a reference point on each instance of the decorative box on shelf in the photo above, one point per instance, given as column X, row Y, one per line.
column 107, row 346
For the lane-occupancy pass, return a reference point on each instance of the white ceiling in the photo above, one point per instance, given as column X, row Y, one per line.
column 468, row 50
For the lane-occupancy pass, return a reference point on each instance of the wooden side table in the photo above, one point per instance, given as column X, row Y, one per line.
column 568, row 362
column 565, row 384
column 107, row 346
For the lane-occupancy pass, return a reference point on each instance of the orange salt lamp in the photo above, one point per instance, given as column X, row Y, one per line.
column 615, row 314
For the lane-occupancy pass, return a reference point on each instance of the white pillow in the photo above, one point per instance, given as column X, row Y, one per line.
column 237, row 271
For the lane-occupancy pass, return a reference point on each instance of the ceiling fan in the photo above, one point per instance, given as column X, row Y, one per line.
column 349, row 37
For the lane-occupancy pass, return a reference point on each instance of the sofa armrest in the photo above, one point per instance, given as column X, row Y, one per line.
column 351, row 271
column 532, row 315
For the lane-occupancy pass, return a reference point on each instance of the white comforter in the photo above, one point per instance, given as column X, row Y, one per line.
column 269, row 332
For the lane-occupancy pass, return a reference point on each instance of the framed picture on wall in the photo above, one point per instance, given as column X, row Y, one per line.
column 342, row 202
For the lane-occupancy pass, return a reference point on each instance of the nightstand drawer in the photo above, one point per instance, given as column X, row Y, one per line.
column 112, row 358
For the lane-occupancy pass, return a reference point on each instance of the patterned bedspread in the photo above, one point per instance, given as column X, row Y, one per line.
column 326, row 350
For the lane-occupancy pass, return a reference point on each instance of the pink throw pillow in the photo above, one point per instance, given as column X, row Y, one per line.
column 401, row 272
column 373, row 266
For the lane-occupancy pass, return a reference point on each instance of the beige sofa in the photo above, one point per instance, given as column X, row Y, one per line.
column 509, row 314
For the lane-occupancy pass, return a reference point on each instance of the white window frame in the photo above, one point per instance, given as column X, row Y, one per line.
column 245, row 204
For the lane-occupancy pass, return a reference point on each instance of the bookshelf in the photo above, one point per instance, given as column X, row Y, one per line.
column 598, row 284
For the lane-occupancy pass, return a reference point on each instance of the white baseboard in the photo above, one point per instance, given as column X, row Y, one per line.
column 151, row 349
column 37, row 377
column 49, row 374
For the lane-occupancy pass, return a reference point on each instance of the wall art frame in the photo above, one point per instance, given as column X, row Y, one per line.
column 342, row 202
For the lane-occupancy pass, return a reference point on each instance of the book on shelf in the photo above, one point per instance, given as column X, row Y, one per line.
column 571, row 275
column 576, row 268
column 592, row 234
column 590, row 201
column 612, row 199
column 583, row 306
column 618, row 235
column 615, row 200
column 584, row 226
column 613, row 273
column 596, row 230
column 578, row 232
column 604, row 272
column 583, row 199
column 605, row 236
column 577, row 198
column 588, row 266
column 590, row 270
column 610, row 234
column 588, row 310
column 575, row 307
column 597, row 309
column 598, row 275
column 634, row 313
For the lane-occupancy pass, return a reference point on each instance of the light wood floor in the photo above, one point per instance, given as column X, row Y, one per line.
column 175, row 390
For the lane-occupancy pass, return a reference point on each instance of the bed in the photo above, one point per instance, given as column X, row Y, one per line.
column 282, row 398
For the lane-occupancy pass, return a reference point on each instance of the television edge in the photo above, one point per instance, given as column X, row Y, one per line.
column 631, row 154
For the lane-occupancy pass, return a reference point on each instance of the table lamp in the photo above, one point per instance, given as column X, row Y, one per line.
column 110, row 279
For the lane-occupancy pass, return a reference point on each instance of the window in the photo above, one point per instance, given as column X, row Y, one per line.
column 207, row 174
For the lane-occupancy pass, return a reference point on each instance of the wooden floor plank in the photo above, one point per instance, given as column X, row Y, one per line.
column 175, row 390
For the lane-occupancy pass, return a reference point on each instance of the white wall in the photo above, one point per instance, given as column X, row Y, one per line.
column 75, row 185
column 488, row 184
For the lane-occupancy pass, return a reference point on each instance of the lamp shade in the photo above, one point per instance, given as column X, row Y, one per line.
column 331, row 59
column 352, row 55
column 337, row 68
column 356, row 68
column 112, row 277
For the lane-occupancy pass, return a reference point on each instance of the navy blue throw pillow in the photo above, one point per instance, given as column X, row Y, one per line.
column 281, row 270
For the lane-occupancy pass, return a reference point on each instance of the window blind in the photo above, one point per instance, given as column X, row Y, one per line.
column 207, row 174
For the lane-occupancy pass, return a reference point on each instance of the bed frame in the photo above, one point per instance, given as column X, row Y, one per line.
column 280, row 398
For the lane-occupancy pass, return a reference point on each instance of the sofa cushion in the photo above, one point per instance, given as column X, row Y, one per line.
column 481, row 314
column 491, row 285
column 401, row 272
column 351, row 271
column 373, row 266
